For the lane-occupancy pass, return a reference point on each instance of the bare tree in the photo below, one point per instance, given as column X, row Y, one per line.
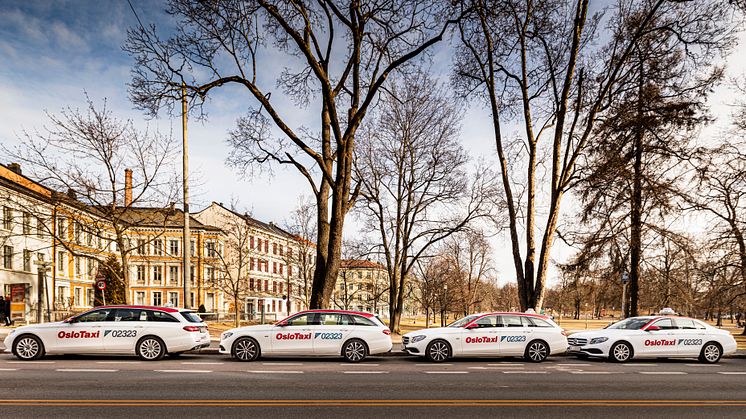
column 468, row 254
column 235, row 260
column 535, row 63
column 86, row 154
column 415, row 190
column 302, row 251
column 341, row 54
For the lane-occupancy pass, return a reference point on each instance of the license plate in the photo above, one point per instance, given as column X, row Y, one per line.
column 574, row 348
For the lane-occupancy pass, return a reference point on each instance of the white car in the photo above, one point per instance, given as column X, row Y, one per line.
column 350, row 334
column 531, row 336
column 654, row 337
column 148, row 332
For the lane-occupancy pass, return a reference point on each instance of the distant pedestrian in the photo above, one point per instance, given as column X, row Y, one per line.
column 6, row 310
column 2, row 309
column 739, row 316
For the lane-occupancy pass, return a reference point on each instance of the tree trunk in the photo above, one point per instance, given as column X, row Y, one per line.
column 635, row 247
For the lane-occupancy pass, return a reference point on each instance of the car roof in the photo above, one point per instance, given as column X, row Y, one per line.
column 359, row 313
column 166, row 309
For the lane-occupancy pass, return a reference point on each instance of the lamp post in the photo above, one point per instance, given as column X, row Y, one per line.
column 42, row 267
column 625, row 280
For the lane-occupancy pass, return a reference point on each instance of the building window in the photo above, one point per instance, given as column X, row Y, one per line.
column 274, row 248
column 157, row 298
column 210, row 273
column 78, row 269
column 290, row 270
column 141, row 273
column 157, row 274
column 191, row 275
column 158, row 247
column 266, row 246
column 62, row 228
column 7, row 218
column 140, row 297
column 77, row 231
column 251, row 242
column 8, row 257
column 210, row 247
column 173, row 274
column 78, row 297
column 281, row 287
column 281, row 252
column 281, row 269
column 266, row 285
column 274, row 267
column 39, row 227
column 173, row 247
column 90, row 296
column 26, row 223
column 274, row 287
column 140, row 250
column 26, row 260
column 62, row 295
column 251, row 264
column 251, row 284
column 259, row 244
column 61, row 262
column 193, row 247
column 173, row 298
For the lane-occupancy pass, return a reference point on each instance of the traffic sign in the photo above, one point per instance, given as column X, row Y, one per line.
column 101, row 284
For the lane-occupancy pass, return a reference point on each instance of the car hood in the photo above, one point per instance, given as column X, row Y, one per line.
column 595, row 333
column 435, row 331
column 255, row 328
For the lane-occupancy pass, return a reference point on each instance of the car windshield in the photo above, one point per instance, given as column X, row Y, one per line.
column 634, row 323
column 463, row 321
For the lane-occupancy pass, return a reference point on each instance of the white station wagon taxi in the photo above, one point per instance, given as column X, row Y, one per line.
column 149, row 332
column 531, row 336
column 350, row 334
column 654, row 337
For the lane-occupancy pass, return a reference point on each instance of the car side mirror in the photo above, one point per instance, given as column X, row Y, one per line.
column 69, row 320
column 472, row 326
column 282, row 323
column 652, row 328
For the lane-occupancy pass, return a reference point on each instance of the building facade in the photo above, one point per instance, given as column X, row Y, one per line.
column 362, row 285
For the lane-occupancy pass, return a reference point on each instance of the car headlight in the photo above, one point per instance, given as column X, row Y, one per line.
column 226, row 335
column 595, row 341
column 417, row 338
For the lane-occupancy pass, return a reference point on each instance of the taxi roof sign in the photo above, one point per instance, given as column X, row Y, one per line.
column 667, row 311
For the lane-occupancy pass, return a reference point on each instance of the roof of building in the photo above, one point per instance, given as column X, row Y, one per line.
column 271, row 227
column 160, row 218
column 20, row 183
column 360, row 264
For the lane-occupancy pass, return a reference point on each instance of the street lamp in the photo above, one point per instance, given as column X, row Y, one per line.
column 42, row 267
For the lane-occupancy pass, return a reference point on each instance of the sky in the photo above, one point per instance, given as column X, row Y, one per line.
column 53, row 53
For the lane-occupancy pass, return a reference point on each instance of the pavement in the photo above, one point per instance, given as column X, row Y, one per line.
column 210, row 386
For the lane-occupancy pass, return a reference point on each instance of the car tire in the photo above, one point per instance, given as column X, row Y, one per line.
column 354, row 350
column 711, row 353
column 621, row 352
column 438, row 351
column 536, row 351
column 150, row 348
column 28, row 348
column 245, row 349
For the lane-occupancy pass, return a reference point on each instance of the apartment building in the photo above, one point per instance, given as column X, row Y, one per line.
column 362, row 285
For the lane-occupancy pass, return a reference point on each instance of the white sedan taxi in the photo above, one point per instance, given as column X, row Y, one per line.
column 654, row 337
column 531, row 336
column 148, row 332
column 350, row 334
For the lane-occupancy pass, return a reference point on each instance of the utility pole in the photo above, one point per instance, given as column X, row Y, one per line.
column 187, row 247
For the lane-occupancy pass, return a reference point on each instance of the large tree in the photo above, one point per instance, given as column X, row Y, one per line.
column 536, row 65
column 338, row 56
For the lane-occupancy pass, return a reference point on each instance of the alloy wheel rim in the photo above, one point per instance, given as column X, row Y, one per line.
column 537, row 352
column 355, row 351
column 150, row 348
column 27, row 348
column 621, row 352
column 712, row 353
column 245, row 350
column 439, row 351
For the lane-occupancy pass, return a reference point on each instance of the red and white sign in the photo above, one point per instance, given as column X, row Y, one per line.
column 101, row 284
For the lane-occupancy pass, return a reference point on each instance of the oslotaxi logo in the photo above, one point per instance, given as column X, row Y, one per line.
column 293, row 336
column 481, row 339
column 78, row 335
column 660, row 342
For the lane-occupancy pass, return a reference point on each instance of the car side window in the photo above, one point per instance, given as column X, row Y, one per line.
column 334, row 319
column 486, row 322
column 536, row 322
column 511, row 321
column 686, row 324
column 304, row 320
column 665, row 324
column 159, row 316
column 127, row 315
column 362, row 321
column 93, row 316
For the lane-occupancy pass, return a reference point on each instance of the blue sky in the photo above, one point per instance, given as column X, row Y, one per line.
column 53, row 52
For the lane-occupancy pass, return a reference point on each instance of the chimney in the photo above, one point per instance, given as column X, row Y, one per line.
column 127, row 187
column 15, row 168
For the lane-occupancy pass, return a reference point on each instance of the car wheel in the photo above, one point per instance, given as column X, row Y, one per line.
column 354, row 350
column 150, row 348
column 711, row 353
column 174, row 354
column 620, row 352
column 536, row 351
column 245, row 349
column 28, row 348
column 438, row 351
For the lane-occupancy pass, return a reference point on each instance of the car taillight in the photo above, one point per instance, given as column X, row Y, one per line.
column 191, row 328
column 386, row 332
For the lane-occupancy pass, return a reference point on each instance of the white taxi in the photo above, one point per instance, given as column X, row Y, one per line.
column 531, row 336
column 149, row 332
column 654, row 337
column 350, row 334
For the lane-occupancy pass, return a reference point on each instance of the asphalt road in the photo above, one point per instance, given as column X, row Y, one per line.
column 214, row 386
